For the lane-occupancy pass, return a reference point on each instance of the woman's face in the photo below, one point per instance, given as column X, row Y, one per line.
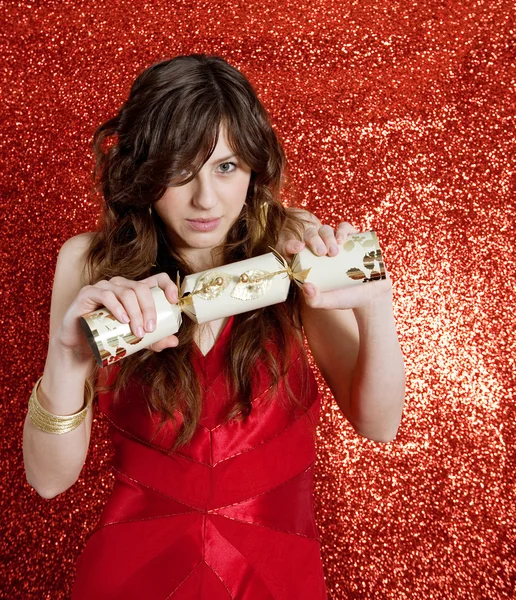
column 199, row 214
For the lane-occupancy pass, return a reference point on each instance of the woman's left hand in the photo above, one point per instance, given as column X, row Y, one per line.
column 324, row 240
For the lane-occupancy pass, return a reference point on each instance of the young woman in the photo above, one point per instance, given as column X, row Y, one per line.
column 212, row 427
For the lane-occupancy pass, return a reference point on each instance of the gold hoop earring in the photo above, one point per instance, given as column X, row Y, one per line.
column 260, row 224
column 263, row 211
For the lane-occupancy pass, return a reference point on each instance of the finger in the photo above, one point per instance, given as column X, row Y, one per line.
column 163, row 281
column 344, row 229
column 170, row 341
column 314, row 241
column 136, row 297
column 137, row 300
column 315, row 299
column 129, row 298
column 116, row 280
column 327, row 235
column 126, row 298
column 349, row 297
column 92, row 297
column 292, row 247
column 147, row 305
column 311, row 295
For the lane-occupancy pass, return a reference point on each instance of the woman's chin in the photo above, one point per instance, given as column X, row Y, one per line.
column 197, row 244
column 205, row 240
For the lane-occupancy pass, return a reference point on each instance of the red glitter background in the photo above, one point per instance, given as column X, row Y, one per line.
column 396, row 116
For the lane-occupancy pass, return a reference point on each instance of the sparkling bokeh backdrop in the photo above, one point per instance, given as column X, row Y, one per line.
column 395, row 115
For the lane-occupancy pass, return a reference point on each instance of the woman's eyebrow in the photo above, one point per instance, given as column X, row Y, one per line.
column 223, row 159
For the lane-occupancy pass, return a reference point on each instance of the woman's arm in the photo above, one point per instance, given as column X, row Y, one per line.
column 352, row 336
column 358, row 354
column 53, row 462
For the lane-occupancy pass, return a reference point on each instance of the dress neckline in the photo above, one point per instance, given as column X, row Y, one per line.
column 223, row 335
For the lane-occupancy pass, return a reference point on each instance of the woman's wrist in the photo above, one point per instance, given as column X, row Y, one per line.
column 377, row 312
column 67, row 355
column 62, row 383
column 50, row 422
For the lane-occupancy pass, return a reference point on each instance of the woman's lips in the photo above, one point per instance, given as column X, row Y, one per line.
column 203, row 224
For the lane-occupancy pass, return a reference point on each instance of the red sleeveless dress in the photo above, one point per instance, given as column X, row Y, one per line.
column 228, row 516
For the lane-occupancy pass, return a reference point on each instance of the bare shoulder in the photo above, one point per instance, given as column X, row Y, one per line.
column 72, row 255
column 77, row 245
column 71, row 259
column 69, row 276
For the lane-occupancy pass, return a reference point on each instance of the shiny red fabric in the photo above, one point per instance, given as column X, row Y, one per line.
column 230, row 515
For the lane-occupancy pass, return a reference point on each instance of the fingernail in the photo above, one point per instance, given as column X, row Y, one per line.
column 309, row 290
column 139, row 331
column 124, row 317
column 321, row 249
column 334, row 249
column 151, row 325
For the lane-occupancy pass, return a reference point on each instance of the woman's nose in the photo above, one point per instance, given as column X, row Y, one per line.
column 204, row 194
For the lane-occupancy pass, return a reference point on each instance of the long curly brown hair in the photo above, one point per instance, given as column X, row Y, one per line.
column 170, row 123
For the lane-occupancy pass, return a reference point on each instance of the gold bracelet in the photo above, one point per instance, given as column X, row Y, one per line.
column 57, row 424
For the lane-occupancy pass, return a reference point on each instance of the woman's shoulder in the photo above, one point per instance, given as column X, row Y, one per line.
column 69, row 277
column 72, row 254
column 78, row 244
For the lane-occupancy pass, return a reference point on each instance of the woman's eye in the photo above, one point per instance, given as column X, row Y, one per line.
column 226, row 170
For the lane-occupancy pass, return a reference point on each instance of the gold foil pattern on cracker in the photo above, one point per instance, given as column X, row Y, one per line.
column 111, row 340
column 360, row 260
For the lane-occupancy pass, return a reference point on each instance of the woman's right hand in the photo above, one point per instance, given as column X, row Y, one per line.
column 129, row 301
